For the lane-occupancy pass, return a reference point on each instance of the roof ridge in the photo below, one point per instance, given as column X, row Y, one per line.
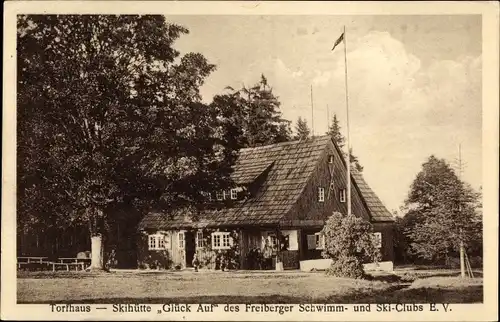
column 310, row 139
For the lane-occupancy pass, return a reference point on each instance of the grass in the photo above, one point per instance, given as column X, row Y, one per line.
column 244, row 287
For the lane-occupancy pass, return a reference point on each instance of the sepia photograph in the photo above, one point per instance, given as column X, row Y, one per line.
column 248, row 162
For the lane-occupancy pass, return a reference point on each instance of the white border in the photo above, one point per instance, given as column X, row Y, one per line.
column 490, row 66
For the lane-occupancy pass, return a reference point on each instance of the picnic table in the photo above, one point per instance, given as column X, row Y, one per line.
column 71, row 262
column 32, row 262
column 30, row 259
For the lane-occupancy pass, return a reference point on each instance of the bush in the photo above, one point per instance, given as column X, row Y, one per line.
column 222, row 259
column 349, row 243
column 151, row 259
column 156, row 260
column 346, row 266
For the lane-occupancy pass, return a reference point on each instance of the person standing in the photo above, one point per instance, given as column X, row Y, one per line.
column 267, row 254
column 196, row 262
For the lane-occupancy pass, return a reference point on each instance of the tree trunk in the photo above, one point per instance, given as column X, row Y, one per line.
column 97, row 240
column 462, row 259
column 97, row 262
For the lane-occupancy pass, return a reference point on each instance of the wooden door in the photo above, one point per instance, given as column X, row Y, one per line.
column 290, row 259
column 190, row 247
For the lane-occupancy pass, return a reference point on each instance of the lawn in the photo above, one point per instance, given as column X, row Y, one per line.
column 243, row 287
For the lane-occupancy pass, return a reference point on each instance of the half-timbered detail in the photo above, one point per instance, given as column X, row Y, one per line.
column 285, row 193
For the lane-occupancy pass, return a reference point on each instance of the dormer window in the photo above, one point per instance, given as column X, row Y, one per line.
column 207, row 195
column 231, row 194
column 342, row 195
column 321, row 194
column 330, row 158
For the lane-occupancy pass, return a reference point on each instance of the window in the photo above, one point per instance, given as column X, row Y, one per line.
column 216, row 241
column 181, row 240
column 221, row 240
column 219, row 195
column 200, row 242
column 207, row 195
column 273, row 241
column 319, row 238
column 377, row 240
column 152, row 241
column 330, row 159
column 226, row 240
column 234, row 194
column 321, row 194
column 158, row 242
column 293, row 242
column 342, row 195
column 271, row 238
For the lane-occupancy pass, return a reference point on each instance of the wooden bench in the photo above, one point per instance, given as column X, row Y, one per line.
column 86, row 261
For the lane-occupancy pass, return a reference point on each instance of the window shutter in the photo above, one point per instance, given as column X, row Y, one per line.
column 166, row 240
column 377, row 239
column 311, row 241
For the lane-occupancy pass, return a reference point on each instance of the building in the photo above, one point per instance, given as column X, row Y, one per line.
column 284, row 193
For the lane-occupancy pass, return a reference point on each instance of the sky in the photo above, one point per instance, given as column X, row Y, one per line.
column 414, row 83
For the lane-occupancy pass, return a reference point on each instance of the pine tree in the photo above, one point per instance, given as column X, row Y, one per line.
column 302, row 129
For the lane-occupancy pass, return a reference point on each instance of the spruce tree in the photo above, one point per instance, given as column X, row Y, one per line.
column 302, row 130
column 335, row 132
column 259, row 113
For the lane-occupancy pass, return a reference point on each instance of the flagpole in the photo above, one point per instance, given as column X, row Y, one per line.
column 348, row 161
column 312, row 112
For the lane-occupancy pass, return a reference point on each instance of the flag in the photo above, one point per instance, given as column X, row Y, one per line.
column 338, row 41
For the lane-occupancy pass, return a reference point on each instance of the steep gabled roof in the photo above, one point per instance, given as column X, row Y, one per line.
column 378, row 211
column 285, row 169
column 291, row 164
column 247, row 170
